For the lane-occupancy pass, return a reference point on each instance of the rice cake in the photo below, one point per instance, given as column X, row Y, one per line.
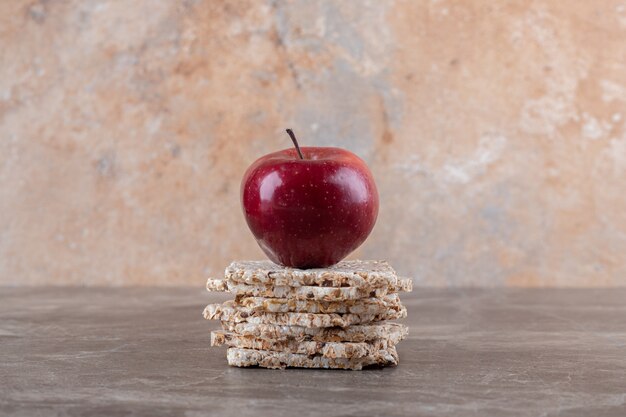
column 280, row 360
column 304, row 347
column 228, row 311
column 308, row 292
column 373, row 274
column 355, row 333
column 287, row 305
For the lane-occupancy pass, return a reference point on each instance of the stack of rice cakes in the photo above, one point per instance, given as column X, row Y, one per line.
column 334, row 317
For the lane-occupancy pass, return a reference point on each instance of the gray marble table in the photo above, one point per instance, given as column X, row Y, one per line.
column 145, row 352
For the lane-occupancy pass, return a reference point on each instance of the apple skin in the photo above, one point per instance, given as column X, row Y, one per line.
column 311, row 212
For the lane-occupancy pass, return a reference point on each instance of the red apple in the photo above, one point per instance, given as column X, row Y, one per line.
column 309, row 207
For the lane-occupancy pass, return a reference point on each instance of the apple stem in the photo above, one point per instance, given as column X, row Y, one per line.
column 295, row 142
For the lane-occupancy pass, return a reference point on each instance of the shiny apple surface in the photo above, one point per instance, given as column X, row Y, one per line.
column 310, row 212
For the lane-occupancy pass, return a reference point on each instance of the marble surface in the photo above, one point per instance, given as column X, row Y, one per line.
column 496, row 132
column 145, row 352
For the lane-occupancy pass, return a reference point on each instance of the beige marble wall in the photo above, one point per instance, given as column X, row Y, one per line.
column 496, row 132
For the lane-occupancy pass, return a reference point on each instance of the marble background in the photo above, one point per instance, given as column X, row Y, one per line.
column 496, row 132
